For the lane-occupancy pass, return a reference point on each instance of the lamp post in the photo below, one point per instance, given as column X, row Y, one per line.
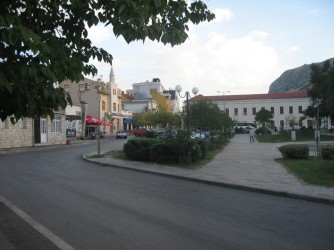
column 99, row 89
column 178, row 89
column 82, row 89
column 224, row 97
column 317, row 133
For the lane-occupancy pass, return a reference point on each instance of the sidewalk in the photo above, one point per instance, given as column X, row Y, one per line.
column 242, row 165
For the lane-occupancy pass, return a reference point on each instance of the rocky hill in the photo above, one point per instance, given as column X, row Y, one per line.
column 292, row 80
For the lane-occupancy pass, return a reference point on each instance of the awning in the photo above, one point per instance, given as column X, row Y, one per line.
column 127, row 120
column 90, row 120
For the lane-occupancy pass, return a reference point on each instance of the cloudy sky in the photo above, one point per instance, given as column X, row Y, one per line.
column 247, row 47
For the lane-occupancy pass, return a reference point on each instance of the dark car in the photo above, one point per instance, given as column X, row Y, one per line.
column 121, row 134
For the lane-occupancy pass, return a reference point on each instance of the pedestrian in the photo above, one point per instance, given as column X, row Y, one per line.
column 251, row 135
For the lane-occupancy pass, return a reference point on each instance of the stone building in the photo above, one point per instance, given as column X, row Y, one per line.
column 29, row 132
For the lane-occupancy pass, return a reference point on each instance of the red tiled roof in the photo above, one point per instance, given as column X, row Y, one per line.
column 252, row 96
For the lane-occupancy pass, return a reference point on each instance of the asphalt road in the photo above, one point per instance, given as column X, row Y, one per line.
column 96, row 207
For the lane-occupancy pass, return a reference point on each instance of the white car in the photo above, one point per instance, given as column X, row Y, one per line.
column 121, row 134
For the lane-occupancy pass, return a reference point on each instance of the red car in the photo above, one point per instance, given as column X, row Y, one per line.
column 140, row 132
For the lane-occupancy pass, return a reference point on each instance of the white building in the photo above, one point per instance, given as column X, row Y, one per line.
column 143, row 102
column 284, row 106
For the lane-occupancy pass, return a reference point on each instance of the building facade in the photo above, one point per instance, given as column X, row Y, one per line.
column 29, row 132
column 150, row 96
column 283, row 106
column 100, row 100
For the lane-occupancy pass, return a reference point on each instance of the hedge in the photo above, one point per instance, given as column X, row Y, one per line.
column 295, row 151
column 327, row 152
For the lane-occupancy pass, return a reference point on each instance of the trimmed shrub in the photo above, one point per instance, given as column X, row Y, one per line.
column 162, row 153
column 138, row 149
column 130, row 148
column 143, row 154
column 327, row 152
column 295, row 151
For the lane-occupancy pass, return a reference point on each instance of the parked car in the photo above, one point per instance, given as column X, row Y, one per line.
column 121, row 134
column 161, row 135
column 140, row 132
column 200, row 134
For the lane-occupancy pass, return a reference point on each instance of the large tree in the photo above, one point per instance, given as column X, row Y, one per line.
column 45, row 42
column 263, row 116
column 322, row 90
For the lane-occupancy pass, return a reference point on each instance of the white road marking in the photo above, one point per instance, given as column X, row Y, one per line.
column 43, row 230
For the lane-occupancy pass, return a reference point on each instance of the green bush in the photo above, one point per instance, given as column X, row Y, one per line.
column 196, row 153
column 150, row 134
column 162, row 153
column 204, row 145
column 261, row 131
column 143, row 154
column 295, row 151
column 327, row 152
column 138, row 149
column 130, row 148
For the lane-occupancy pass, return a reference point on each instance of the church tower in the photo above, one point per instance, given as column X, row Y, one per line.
column 112, row 75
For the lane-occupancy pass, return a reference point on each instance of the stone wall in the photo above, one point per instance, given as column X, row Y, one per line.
column 17, row 135
column 21, row 134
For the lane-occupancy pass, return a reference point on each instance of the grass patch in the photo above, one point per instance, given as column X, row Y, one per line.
column 287, row 138
column 95, row 156
column 117, row 154
column 319, row 173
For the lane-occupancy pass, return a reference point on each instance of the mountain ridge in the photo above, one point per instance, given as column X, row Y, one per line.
column 293, row 80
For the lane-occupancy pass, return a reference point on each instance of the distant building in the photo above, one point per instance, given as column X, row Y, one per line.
column 284, row 106
column 100, row 100
column 150, row 97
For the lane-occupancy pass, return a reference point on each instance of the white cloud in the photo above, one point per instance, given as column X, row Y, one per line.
column 223, row 15
column 292, row 49
column 100, row 33
column 223, row 63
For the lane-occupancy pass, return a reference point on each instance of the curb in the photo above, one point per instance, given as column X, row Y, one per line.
column 221, row 184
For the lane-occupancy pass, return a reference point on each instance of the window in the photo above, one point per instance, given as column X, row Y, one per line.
column 245, row 111
column 290, row 110
column 254, row 111
column 114, row 106
column 114, row 91
column 103, row 105
column 281, row 123
column 300, row 109
column 235, row 111
column 56, row 125
column 227, row 111
column 272, row 110
column 281, row 110
column 118, row 108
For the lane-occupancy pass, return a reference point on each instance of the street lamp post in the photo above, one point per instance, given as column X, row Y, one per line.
column 317, row 134
column 178, row 89
column 82, row 89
